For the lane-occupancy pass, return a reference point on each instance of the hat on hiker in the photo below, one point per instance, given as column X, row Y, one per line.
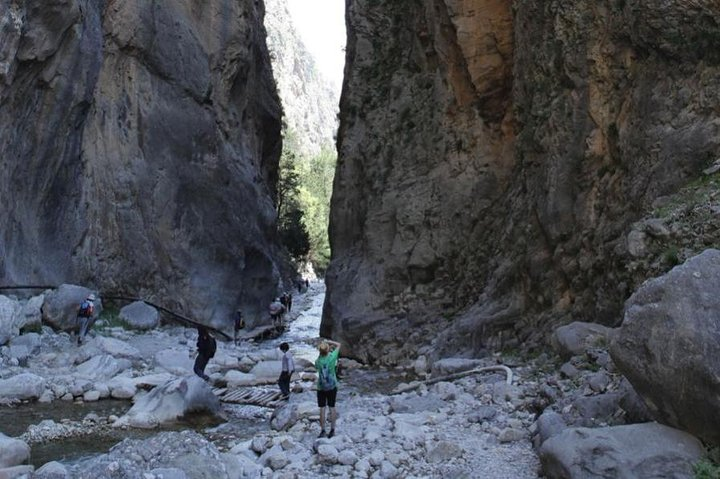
column 91, row 297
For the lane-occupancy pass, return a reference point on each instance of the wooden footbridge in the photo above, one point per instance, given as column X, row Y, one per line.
column 251, row 396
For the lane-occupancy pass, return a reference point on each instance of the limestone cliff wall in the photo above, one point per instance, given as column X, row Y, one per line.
column 139, row 144
column 493, row 155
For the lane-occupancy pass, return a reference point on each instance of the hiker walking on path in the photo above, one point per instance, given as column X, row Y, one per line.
column 288, row 368
column 238, row 324
column 206, row 349
column 85, row 316
column 276, row 312
column 325, row 366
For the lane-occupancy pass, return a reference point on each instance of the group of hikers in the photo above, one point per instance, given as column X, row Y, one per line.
column 325, row 365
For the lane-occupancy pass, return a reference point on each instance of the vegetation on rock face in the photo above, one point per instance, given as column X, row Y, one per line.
column 304, row 193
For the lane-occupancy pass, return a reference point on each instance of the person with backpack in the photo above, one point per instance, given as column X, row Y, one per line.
column 325, row 366
column 85, row 316
column 206, row 349
column 277, row 309
column 239, row 323
column 288, row 368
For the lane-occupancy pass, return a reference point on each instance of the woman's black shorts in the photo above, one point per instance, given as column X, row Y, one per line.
column 327, row 398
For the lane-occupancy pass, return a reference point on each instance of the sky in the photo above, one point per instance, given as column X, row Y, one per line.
column 321, row 25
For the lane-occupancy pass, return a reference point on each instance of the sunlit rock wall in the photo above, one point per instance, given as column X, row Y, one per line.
column 493, row 156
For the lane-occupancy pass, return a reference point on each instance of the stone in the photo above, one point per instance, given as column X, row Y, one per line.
column 674, row 316
column 8, row 328
column 30, row 341
column 569, row 371
column 91, row 396
column 116, row 348
column 236, row 378
column 510, row 434
column 598, row 381
column 102, row 367
column 122, row 387
column 576, row 338
column 549, row 424
column 61, row 305
column 444, row 451
column 482, row 413
column 327, row 454
column 16, row 472
column 52, row 470
column 267, row 370
column 169, row 401
column 415, row 404
column 638, row 450
column 169, row 473
column 636, row 411
column 140, row 315
column 593, row 410
column 30, row 314
column 420, row 365
column 347, row 457
column 13, row 452
column 174, row 361
column 22, row 386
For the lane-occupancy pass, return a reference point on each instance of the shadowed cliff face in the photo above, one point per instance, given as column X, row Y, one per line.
column 138, row 141
column 492, row 157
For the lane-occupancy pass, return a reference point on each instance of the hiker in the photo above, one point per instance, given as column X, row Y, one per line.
column 276, row 311
column 300, row 284
column 239, row 323
column 206, row 349
column 307, row 283
column 325, row 366
column 85, row 316
column 288, row 300
column 288, row 368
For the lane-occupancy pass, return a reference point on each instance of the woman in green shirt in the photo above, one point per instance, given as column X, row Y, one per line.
column 325, row 366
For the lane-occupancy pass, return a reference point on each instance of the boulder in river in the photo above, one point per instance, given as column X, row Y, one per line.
column 22, row 386
column 668, row 346
column 168, row 402
column 13, row 452
column 140, row 315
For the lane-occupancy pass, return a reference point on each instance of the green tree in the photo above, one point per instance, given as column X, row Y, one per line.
column 291, row 226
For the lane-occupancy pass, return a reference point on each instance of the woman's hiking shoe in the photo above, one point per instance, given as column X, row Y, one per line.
column 331, row 433
column 322, row 434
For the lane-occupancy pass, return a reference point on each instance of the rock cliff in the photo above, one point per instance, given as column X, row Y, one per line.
column 493, row 156
column 139, row 144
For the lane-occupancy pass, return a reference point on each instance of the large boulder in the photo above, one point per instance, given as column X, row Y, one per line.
column 576, row 338
column 8, row 310
column 174, row 361
column 140, row 315
column 168, row 402
column 22, row 386
column 30, row 314
column 61, row 306
column 102, row 367
column 668, row 346
column 636, row 451
column 13, row 452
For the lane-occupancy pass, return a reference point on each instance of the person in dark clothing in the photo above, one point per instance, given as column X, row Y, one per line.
column 85, row 317
column 288, row 300
column 206, row 349
column 239, row 323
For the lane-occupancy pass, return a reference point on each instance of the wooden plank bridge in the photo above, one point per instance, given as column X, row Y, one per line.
column 252, row 396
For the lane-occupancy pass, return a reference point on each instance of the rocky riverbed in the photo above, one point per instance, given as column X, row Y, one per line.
column 559, row 405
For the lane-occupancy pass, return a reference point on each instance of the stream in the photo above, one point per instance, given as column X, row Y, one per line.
column 243, row 422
